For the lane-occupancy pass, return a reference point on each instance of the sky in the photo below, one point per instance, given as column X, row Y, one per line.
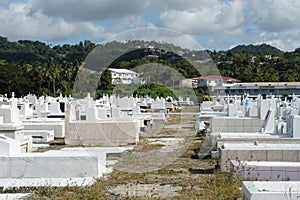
column 215, row 24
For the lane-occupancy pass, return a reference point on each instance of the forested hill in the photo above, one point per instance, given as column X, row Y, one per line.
column 35, row 67
column 35, row 51
column 256, row 49
column 261, row 66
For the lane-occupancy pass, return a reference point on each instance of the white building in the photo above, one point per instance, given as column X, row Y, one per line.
column 216, row 80
column 124, row 76
column 189, row 83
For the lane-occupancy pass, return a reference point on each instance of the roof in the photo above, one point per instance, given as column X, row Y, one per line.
column 122, row 71
column 216, row 77
column 270, row 84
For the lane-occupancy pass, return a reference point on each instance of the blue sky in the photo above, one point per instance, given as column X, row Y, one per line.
column 215, row 24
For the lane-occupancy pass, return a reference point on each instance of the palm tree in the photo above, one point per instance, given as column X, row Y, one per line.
column 55, row 74
column 67, row 72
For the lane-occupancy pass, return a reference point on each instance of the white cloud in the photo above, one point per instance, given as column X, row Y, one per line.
column 19, row 22
column 277, row 23
column 16, row 23
column 88, row 10
column 179, row 5
column 275, row 15
column 216, row 23
column 287, row 41
column 217, row 17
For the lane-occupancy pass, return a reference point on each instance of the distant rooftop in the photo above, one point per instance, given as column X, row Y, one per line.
column 217, row 77
column 124, row 71
column 261, row 146
column 270, row 84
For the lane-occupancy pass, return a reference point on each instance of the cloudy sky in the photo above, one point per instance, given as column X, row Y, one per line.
column 215, row 24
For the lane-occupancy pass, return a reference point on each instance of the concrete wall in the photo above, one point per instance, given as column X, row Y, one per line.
column 260, row 140
column 40, row 136
column 9, row 146
column 58, row 127
column 235, row 125
column 104, row 133
column 262, row 190
column 37, row 165
column 262, row 152
column 267, row 171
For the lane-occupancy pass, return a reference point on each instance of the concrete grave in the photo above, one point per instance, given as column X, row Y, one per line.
column 268, row 171
column 40, row 136
column 111, row 132
column 236, row 124
column 55, row 124
column 261, row 190
column 260, row 152
column 9, row 147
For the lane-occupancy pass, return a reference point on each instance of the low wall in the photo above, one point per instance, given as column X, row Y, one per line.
column 103, row 133
column 275, row 190
column 38, row 165
column 58, row 127
column 267, row 171
column 261, row 152
column 260, row 140
column 40, row 136
column 236, row 125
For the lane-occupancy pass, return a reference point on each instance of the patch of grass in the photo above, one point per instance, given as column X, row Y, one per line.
column 189, row 109
column 193, row 149
column 150, row 147
column 173, row 119
column 216, row 186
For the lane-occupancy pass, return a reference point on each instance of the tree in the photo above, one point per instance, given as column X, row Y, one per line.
column 55, row 73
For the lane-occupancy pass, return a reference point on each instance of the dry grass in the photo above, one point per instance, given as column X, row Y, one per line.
column 188, row 109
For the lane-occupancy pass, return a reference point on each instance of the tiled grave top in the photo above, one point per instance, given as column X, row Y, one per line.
column 261, row 146
column 273, row 186
column 269, row 163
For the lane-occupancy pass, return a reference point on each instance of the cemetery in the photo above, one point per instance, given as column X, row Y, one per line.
column 105, row 128
column 253, row 138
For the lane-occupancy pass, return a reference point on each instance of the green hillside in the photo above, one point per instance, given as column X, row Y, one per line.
column 35, row 67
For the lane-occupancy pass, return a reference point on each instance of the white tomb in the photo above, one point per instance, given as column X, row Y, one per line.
column 9, row 147
column 55, row 124
column 40, row 136
column 10, row 123
column 268, row 171
column 293, row 125
column 260, row 152
column 114, row 131
column 275, row 190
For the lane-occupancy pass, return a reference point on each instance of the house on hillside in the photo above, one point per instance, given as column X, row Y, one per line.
column 189, row 83
column 212, row 81
column 124, row 76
